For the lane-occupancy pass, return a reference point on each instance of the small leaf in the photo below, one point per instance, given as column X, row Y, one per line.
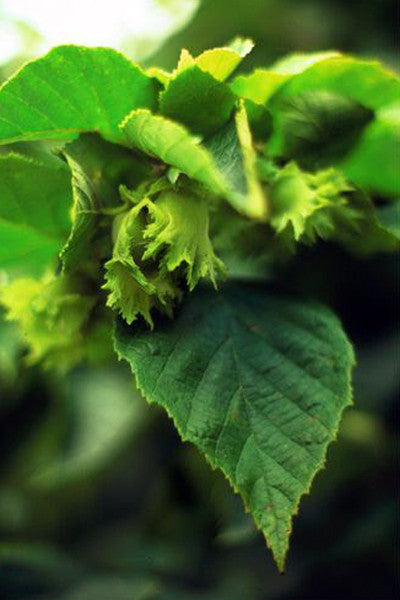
column 233, row 152
column 218, row 62
column 70, row 90
column 34, row 213
column 173, row 144
column 258, row 383
column 84, row 219
column 198, row 101
column 221, row 62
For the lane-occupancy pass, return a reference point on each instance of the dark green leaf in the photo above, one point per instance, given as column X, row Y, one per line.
column 388, row 217
column 258, row 382
column 317, row 128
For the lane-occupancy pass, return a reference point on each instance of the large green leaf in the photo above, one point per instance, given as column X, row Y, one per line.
column 34, row 213
column 198, row 101
column 258, row 382
column 70, row 90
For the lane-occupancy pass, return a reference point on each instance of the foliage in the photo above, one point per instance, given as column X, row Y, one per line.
column 140, row 188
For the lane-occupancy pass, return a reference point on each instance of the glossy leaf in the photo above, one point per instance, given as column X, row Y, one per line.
column 258, row 383
column 368, row 147
column 317, row 128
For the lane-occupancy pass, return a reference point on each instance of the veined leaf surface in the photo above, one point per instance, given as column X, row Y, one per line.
column 258, row 383
column 173, row 144
column 70, row 90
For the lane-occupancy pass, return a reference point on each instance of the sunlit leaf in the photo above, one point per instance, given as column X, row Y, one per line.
column 70, row 90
